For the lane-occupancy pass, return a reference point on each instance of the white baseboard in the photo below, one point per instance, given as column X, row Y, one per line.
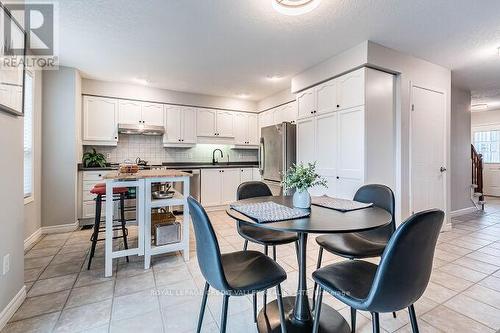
column 12, row 307
column 31, row 240
column 462, row 211
column 60, row 228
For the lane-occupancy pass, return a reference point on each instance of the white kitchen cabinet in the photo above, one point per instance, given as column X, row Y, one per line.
column 246, row 175
column 153, row 114
column 256, row 174
column 289, row 112
column 215, row 123
column 135, row 112
column 246, row 130
column 231, row 179
column 305, row 140
column 266, row 118
column 326, row 139
column 180, row 126
column 306, row 103
column 211, row 187
column 100, row 121
column 351, row 89
column 326, row 97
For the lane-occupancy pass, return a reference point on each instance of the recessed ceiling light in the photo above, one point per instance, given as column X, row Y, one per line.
column 274, row 77
column 295, row 7
column 144, row 82
column 479, row 107
column 243, row 95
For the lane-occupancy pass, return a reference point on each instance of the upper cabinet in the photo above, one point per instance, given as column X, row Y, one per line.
column 246, row 129
column 100, row 121
column 344, row 92
column 180, row 126
column 215, row 123
column 279, row 114
column 134, row 112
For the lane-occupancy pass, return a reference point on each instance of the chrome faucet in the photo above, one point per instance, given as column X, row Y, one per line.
column 213, row 156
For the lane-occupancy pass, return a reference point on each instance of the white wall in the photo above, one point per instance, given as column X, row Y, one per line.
column 485, row 118
column 460, row 167
column 123, row 90
column 33, row 209
column 60, row 123
column 11, row 206
column 282, row 97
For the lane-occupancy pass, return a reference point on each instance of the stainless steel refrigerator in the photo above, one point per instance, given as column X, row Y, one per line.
column 277, row 153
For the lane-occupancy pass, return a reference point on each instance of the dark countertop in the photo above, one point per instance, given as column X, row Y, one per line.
column 184, row 165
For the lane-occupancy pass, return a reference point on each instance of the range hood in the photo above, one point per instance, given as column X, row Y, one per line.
column 140, row 129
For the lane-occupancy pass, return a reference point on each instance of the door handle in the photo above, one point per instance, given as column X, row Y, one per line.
column 261, row 159
column 442, row 169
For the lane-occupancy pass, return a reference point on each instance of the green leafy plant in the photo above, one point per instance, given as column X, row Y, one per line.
column 92, row 159
column 301, row 177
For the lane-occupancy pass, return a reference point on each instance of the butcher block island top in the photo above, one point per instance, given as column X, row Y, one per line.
column 142, row 174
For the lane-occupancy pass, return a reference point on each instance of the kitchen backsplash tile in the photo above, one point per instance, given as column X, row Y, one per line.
column 150, row 148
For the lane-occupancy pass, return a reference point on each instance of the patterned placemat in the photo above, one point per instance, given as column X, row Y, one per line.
column 341, row 205
column 264, row 212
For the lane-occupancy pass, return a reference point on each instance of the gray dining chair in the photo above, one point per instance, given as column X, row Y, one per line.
column 233, row 274
column 397, row 282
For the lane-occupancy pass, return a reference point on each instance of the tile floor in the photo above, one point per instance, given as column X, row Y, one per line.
column 63, row 296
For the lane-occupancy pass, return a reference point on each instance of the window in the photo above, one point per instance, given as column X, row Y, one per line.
column 487, row 143
column 28, row 136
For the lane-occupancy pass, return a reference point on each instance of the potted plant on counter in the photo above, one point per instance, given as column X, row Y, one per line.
column 302, row 177
column 93, row 159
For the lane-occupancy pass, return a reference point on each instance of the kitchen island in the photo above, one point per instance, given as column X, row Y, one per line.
column 142, row 181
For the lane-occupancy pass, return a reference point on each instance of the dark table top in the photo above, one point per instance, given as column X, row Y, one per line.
column 321, row 220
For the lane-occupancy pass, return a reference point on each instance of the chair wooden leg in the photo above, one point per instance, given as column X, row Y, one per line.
column 318, row 265
column 95, row 233
column 281, row 308
column 245, row 245
column 223, row 317
column 375, row 322
column 255, row 307
column 413, row 319
column 317, row 311
column 353, row 320
column 203, row 306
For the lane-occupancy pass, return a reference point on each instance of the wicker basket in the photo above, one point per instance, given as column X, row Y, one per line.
column 128, row 168
column 160, row 216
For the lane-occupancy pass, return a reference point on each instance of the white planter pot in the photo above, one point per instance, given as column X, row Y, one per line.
column 301, row 199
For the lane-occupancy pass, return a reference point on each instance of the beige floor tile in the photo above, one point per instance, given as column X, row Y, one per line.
column 86, row 277
column 463, row 272
column 450, row 281
column 179, row 293
column 363, row 324
column 84, row 317
column 491, row 282
column 90, row 294
column 173, row 275
column 476, row 310
column 485, row 295
column 150, row 322
column 35, row 306
column 46, row 243
column 438, row 293
column 132, row 305
column 50, row 251
column 31, row 275
column 448, row 320
column 40, row 324
column 423, row 327
column 52, row 285
column 60, row 270
column 30, row 263
column 476, row 265
column 63, row 258
column 487, row 258
column 130, row 269
column 134, row 284
column 182, row 319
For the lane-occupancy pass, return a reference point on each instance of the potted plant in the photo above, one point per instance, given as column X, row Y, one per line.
column 93, row 159
column 302, row 177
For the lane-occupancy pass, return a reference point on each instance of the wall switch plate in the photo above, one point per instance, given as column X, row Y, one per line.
column 108, row 156
column 6, row 264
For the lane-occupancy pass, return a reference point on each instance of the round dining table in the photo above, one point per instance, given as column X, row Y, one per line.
column 320, row 221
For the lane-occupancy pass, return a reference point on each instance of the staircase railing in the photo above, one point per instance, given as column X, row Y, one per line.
column 477, row 172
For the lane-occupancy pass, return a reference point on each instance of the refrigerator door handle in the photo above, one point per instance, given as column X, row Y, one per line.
column 261, row 156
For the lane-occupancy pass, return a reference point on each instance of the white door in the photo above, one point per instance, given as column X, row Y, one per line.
column 230, row 182
column 246, row 175
column 173, row 128
column 326, row 152
column 225, row 124
column 211, row 187
column 351, row 154
column 129, row 112
column 428, row 179
column 152, row 114
column 351, row 89
column 491, row 182
column 188, row 125
column 306, row 103
column 305, row 141
column 205, row 122
column 253, row 130
column 326, row 97
column 100, row 117
column 240, row 129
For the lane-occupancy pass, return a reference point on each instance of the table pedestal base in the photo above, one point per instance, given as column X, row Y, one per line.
column 330, row 320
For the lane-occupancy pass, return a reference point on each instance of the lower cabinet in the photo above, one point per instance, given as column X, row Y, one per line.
column 219, row 186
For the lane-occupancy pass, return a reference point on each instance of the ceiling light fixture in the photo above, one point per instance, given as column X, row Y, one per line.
column 273, row 77
column 144, row 82
column 479, row 107
column 295, row 7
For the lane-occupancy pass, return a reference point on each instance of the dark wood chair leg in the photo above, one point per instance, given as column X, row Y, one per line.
column 281, row 308
column 203, row 306
column 95, row 233
column 317, row 312
column 353, row 320
column 223, row 319
column 318, row 265
column 123, row 222
column 375, row 322
column 413, row 319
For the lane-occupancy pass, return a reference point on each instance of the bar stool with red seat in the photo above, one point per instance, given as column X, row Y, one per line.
column 118, row 195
